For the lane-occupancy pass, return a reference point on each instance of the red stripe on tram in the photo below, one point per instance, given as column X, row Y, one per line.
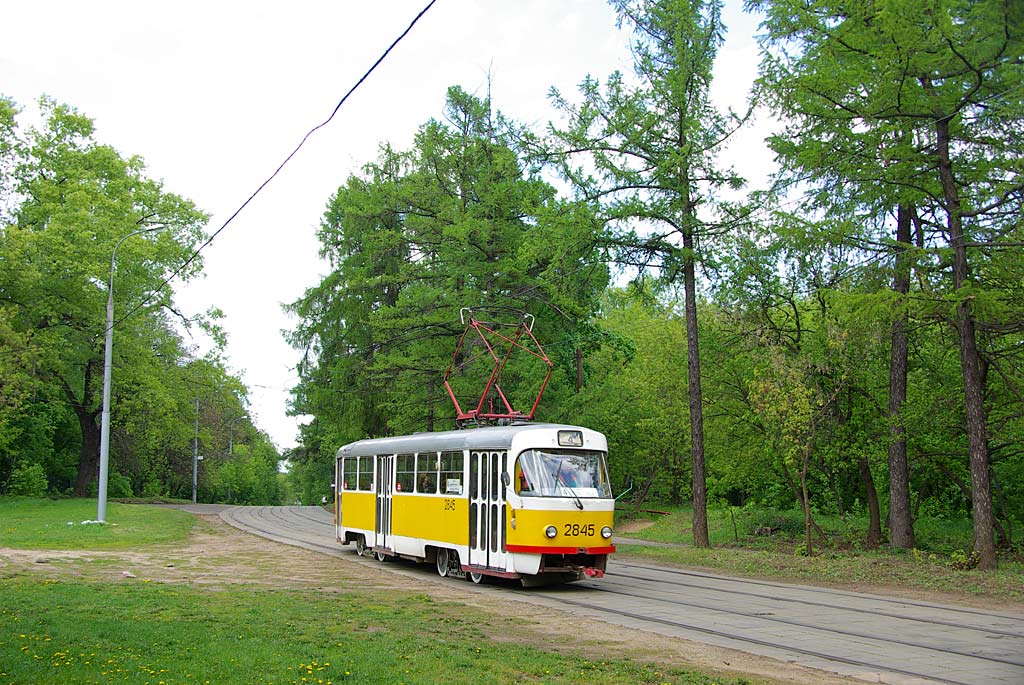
column 534, row 549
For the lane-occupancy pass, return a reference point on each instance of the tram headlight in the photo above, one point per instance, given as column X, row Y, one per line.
column 606, row 532
column 551, row 532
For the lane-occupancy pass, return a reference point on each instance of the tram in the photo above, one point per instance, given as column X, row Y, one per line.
column 525, row 500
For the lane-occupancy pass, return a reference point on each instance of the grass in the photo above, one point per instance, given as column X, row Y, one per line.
column 71, row 622
column 767, row 544
column 28, row 523
column 156, row 633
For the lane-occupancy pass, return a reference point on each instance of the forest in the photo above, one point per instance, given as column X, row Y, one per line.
column 67, row 203
column 849, row 341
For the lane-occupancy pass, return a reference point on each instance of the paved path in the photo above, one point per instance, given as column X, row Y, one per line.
column 868, row 637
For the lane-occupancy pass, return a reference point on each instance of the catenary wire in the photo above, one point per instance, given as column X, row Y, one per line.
column 287, row 159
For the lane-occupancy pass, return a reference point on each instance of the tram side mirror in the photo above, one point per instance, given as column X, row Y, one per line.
column 506, row 479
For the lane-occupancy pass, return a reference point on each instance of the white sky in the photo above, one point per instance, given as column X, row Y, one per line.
column 214, row 95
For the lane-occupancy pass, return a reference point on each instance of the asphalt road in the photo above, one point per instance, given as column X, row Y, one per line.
column 873, row 638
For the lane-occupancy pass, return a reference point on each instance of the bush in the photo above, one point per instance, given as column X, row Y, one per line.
column 153, row 488
column 118, row 486
column 788, row 524
column 962, row 561
column 28, row 480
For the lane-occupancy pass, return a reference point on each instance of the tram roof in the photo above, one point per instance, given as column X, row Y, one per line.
column 486, row 437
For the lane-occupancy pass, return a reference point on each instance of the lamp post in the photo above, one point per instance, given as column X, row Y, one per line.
column 231, row 449
column 101, row 505
column 195, row 455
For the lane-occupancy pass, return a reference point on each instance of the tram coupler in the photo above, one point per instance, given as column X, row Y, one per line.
column 591, row 572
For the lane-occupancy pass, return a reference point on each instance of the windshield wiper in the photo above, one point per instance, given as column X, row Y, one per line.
column 559, row 479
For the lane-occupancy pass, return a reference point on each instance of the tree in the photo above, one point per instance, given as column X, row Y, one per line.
column 457, row 221
column 916, row 104
column 67, row 201
column 634, row 393
column 647, row 152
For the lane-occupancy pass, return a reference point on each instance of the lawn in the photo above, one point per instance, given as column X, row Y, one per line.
column 272, row 615
column 28, row 523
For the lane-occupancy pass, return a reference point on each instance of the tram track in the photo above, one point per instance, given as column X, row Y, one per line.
column 842, row 607
column 756, row 641
column 827, row 592
column 834, row 631
column 829, row 629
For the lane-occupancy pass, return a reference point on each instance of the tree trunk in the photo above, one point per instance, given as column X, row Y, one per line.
column 970, row 362
column 805, row 501
column 797, row 496
column 700, row 495
column 901, row 525
column 874, row 511
column 89, row 456
column 981, row 501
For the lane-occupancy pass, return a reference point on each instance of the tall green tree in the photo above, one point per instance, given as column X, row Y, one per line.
column 646, row 149
column 916, row 105
column 457, row 221
column 67, row 200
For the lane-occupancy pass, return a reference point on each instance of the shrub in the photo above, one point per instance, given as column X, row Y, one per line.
column 28, row 480
column 118, row 485
column 153, row 488
column 962, row 561
column 789, row 524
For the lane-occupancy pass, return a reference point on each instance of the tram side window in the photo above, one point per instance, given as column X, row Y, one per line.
column 426, row 472
column 365, row 473
column 348, row 473
column 451, row 473
column 405, row 473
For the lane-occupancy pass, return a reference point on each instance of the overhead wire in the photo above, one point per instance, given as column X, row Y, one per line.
column 281, row 166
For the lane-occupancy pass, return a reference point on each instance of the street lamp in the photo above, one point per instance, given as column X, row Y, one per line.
column 101, row 506
column 231, row 449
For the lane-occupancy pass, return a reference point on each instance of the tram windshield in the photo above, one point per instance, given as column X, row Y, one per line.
column 562, row 473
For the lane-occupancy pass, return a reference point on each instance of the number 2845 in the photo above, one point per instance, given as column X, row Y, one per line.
column 578, row 529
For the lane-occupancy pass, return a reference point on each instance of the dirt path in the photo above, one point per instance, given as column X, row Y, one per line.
column 217, row 554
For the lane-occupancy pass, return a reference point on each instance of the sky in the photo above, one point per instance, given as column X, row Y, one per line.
column 214, row 95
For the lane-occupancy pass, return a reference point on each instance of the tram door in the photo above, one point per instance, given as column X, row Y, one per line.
column 487, row 509
column 385, row 474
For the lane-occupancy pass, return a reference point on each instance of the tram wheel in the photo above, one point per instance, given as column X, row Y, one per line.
column 380, row 556
column 361, row 546
column 476, row 578
column 442, row 562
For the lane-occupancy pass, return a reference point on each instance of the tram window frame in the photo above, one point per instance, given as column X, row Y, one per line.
column 453, row 469
column 405, row 472
column 365, row 474
column 349, row 473
column 427, row 464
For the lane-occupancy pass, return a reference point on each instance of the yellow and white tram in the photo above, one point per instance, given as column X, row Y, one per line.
column 527, row 501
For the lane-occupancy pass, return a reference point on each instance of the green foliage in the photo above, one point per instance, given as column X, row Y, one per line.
column 118, row 485
column 909, row 113
column 457, row 221
column 67, row 202
column 646, row 149
column 964, row 561
column 28, row 480
column 635, row 394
